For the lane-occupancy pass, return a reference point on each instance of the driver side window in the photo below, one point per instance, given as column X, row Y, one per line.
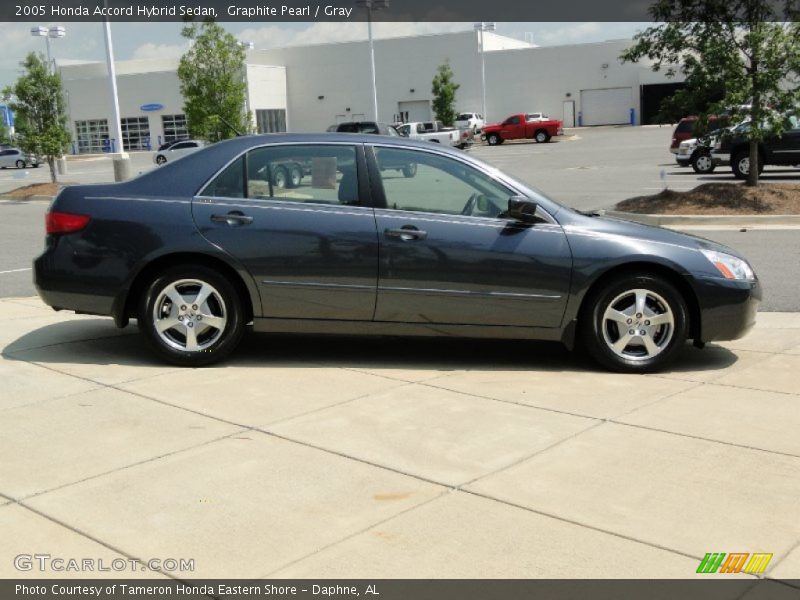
column 425, row 182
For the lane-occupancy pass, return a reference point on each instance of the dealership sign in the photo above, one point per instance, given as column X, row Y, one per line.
column 151, row 107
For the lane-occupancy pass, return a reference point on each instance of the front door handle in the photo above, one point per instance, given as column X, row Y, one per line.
column 406, row 233
column 234, row 218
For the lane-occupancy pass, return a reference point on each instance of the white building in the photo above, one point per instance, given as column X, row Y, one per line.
column 307, row 88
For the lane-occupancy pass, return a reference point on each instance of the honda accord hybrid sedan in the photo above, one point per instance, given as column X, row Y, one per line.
column 325, row 234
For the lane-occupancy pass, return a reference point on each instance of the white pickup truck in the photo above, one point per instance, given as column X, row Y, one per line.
column 435, row 131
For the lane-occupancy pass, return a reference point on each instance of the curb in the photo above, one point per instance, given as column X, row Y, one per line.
column 704, row 220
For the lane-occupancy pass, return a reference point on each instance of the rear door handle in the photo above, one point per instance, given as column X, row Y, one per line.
column 406, row 233
column 234, row 218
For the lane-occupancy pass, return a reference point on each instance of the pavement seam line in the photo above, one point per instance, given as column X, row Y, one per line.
column 130, row 465
column 738, row 387
column 88, row 536
column 580, row 524
column 15, row 354
column 359, row 532
column 658, row 400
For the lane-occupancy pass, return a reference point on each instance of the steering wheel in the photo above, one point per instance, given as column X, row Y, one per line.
column 470, row 205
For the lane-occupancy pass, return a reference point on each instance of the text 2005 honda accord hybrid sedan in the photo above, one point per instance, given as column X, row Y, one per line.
column 340, row 233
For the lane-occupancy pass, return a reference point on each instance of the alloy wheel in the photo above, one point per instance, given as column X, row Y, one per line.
column 189, row 315
column 703, row 163
column 638, row 324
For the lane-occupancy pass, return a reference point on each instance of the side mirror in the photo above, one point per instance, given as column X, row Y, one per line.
column 521, row 209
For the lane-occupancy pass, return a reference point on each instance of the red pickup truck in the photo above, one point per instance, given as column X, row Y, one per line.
column 519, row 126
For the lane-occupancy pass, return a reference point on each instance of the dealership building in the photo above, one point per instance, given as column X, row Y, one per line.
column 308, row 88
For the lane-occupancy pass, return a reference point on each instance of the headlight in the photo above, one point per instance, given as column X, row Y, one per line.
column 730, row 266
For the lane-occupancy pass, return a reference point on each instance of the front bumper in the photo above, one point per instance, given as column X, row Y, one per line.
column 727, row 308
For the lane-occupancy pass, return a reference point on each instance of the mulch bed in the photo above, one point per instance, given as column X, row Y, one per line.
column 719, row 199
column 36, row 189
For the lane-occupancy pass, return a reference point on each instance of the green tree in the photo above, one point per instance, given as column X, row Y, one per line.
column 212, row 76
column 5, row 138
column 749, row 49
column 444, row 94
column 40, row 122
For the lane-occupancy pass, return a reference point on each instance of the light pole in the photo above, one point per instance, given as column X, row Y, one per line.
column 121, row 160
column 371, row 5
column 54, row 32
column 482, row 27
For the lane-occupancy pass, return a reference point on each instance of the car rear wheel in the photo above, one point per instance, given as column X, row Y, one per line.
column 541, row 137
column 741, row 164
column 295, row 176
column 191, row 316
column 702, row 163
column 410, row 170
column 20, row 164
column 280, row 179
column 160, row 159
column 635, row 323
column 493, row 139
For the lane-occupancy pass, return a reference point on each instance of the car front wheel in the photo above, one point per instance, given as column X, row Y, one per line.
column 20, row 164
column 635, row 324
column 160, row 159
column 702, row 163
column 191, row 316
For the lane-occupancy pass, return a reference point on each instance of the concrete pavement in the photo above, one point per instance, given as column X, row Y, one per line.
column 331, row 457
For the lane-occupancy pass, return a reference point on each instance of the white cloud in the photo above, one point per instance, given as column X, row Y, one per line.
column 151, row 50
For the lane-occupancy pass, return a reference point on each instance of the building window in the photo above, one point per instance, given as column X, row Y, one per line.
column 271, row 120
column 92, row 136
column 174, row 127
column 136, row 133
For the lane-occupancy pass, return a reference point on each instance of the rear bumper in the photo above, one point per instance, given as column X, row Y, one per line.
column 728, row 308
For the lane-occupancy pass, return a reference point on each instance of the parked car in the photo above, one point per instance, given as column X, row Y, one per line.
column 204, row 246
column 470, row 120
column 784, row 149
column 177, row 150
column 518, row 127
column 435, row 131
column 688, row 128
column 166, row 145
column 14, row 157
column 370, row 127
column 697, row 153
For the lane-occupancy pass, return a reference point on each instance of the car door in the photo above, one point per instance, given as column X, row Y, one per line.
column 448, row 256
column 296, row 216
column 5, row 158
column 786, row 149
column 511, row 128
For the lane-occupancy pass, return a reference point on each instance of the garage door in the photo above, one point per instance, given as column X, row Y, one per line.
column 414, row 110
column 610, row 106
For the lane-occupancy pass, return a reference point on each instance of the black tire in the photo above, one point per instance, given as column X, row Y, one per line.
column 599, row 334
column 161, row 159
column 739, row 160
column 702, row 163
column 295, row 176
column 493, row 139
column 541, row 136
column 280, row 178
column 410, row 170
column 20, row 164
column 214, row 344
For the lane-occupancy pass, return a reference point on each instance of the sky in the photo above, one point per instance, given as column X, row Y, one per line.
column 84, row 41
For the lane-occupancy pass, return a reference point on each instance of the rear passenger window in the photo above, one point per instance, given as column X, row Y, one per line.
column 317, row 174
column 229, row 183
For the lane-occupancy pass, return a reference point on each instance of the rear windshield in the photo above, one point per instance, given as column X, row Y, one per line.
column 685, row 126
column 464, row 117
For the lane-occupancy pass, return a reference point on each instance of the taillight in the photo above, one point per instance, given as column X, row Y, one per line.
column 61, row 222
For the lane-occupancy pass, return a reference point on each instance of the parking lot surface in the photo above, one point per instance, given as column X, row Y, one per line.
column 334, row 457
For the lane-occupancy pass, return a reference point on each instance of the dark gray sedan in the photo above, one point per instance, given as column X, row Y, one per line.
column 351, row 234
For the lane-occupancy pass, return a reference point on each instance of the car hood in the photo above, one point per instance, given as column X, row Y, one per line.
column 614, row 226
